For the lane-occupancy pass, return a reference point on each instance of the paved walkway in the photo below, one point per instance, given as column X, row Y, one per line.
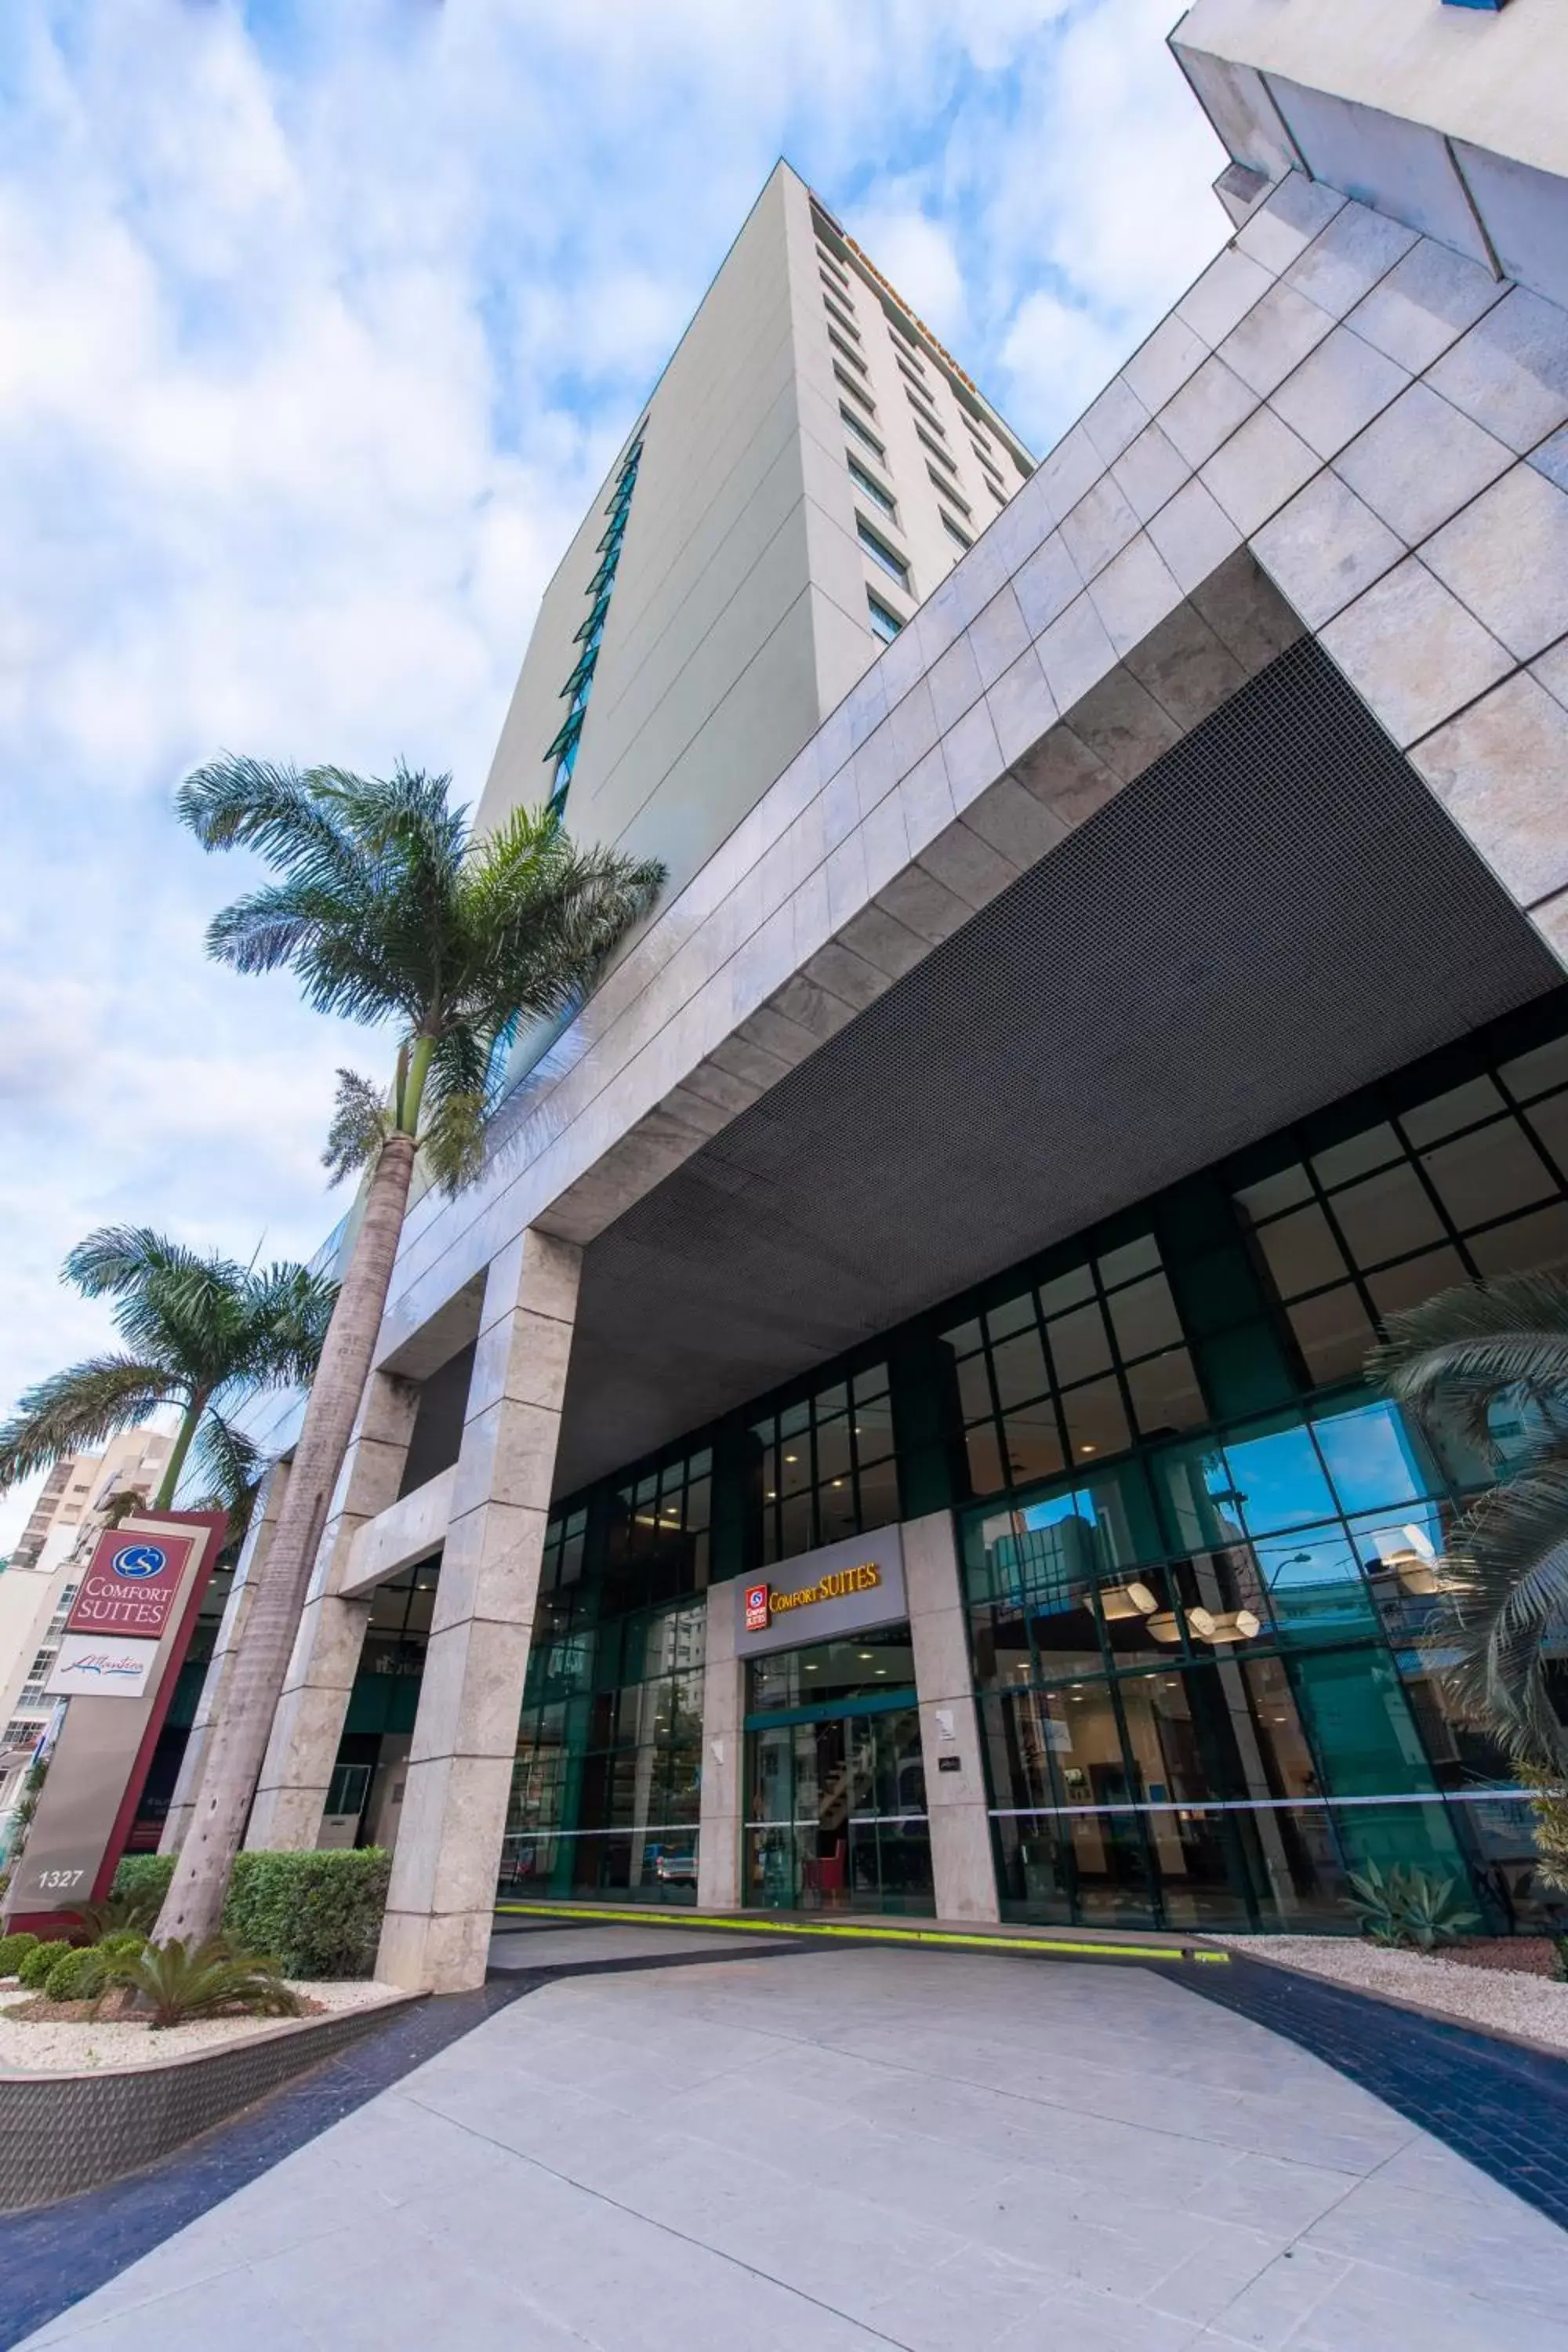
column 816, row 2151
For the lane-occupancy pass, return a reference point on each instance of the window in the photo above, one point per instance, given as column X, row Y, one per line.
column 1466, row 1183
column 840, row 346
column 872, row 487
column 953, row 530
column 826, row 1467
column 994, row 487
column 949, row 490
column 1068, row 1371
column 859, row 431
column 563, row 748
column 41, row 1665
column 840, row 319
column 834, row 269
column 918, row 394
column 23, row 1729
column 885, row 624
column 880, row 552
column 855, row 392
column 937, row 451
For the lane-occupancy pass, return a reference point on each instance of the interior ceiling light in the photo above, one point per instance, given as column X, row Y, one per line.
column 1224, row 1625
column 1118, row 1600
column 1166, row 1627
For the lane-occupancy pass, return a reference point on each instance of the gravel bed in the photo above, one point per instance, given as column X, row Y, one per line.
column 1501, row 2001
column 75, row 2047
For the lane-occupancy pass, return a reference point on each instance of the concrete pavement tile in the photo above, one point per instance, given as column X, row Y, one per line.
column 968, row 2304
column 1368, row 2310
column 1521, row 2254
column 1272, row 2306
column 1105, row 2322
column 233, row 2311
column 1264, row 2193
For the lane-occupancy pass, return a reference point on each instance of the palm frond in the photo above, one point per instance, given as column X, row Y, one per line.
column 453, row 1140
column 114, row 1259
column 1456, row 1354
column 229, row 1469
column 73, row 1412
column 234, row 803
column 360, row 1124
column 291, row 1309
column 539, row 917
column 1505, row 1592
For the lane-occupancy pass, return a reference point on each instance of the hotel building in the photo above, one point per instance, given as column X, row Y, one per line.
column 888, row 1430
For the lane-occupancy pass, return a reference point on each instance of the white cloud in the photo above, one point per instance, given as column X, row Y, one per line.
column 321, row 325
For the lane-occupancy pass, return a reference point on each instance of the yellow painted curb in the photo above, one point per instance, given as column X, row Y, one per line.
column 881, row 1934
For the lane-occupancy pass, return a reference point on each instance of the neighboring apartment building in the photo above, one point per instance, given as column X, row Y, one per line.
column 888, row 1429
column 39, row 1581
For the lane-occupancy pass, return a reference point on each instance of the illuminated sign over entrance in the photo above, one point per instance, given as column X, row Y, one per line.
column 846, row 1587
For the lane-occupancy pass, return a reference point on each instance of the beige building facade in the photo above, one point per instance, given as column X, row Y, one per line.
column 1068, row 1030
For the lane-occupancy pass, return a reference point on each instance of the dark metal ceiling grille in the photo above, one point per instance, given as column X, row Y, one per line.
column 1276, row 913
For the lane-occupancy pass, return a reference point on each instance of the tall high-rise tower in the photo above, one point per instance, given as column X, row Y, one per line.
column 810, row 466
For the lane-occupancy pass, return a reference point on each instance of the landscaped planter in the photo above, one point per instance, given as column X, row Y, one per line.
column 62, row 2133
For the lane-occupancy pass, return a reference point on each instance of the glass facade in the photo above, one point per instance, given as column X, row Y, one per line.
column 826, row 1467
column 605, row 1786
column 1198, row 1556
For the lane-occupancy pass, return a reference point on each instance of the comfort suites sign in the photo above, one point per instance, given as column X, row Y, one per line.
column 846, row 1588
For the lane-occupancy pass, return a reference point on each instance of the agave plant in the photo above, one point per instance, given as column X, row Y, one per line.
column 178, row 1981
column 1404, row 1906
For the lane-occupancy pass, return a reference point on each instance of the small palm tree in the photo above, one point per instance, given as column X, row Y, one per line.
column 1476, row 1357
column 389, row 910
column 199, row 1333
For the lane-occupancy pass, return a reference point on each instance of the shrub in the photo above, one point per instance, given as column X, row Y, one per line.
column 143, row 1878
column 320, row 1913
column 1403, row 1906
column 13, row 1951
column 36, row 1965
column 80, row 1973
column 179, row 1982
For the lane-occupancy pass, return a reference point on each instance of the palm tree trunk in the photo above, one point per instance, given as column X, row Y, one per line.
column 193, row 1908
column 170, row 1480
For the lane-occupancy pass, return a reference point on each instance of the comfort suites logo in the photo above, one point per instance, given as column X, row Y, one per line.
column 756, row 1608
column 140, row 1560
column 836, row 1586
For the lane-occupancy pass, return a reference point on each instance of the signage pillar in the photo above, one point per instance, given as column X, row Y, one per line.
column 124, row 1643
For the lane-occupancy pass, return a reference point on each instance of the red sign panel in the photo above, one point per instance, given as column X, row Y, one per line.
column 132, row 1586
column 757, row 1609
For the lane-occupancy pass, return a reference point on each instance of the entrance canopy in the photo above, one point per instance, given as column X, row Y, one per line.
column 1275, row 913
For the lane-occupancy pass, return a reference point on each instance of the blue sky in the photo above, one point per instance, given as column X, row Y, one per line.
column 321, row 323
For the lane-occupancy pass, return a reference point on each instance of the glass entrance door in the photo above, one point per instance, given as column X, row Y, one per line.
column 837, row 1813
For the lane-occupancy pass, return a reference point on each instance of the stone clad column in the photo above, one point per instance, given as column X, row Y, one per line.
column 252, row 1558
column 308, row 1726
column 961, row 1850
column 723, row 1745
column 442, row 1900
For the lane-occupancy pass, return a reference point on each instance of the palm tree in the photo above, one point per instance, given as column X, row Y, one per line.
column 200, row 1333
column 1491, row 1354
column 389, row 910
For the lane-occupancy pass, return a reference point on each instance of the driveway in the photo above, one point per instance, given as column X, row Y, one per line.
column 831, row 2148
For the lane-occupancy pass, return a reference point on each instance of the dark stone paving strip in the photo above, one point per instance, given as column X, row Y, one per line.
column 1504, row 2108
column 88, row 2240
